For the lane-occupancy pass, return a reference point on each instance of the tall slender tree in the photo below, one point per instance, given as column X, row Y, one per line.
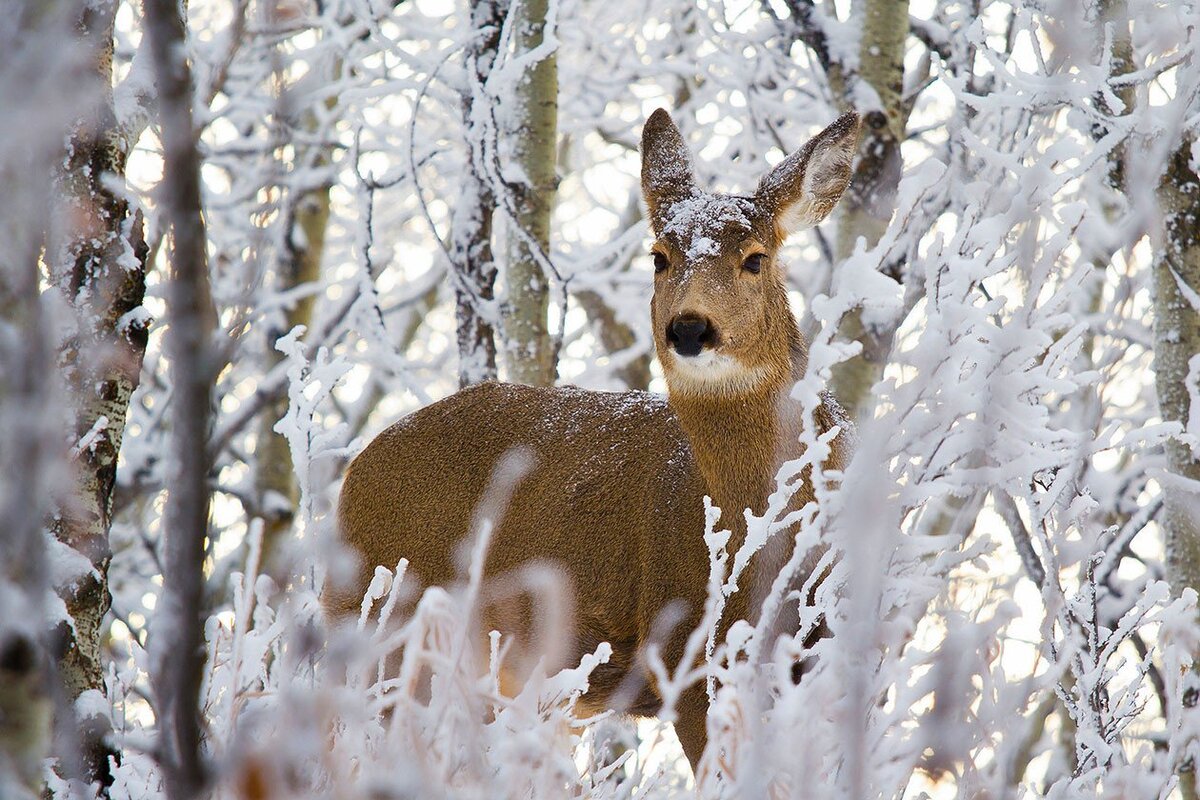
column 473, row 262
column 96, row 256
column 531, row 138
column 178, row 650
column 1176, row 372
column 871, row 197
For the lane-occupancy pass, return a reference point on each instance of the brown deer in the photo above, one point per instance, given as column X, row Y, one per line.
column 615, row 494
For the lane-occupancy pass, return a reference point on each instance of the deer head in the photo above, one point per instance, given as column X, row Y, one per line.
column 720, row 309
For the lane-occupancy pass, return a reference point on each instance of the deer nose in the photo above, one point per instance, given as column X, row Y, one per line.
column 689, row 335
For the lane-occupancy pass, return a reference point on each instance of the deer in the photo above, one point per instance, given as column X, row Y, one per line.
column 614, row 496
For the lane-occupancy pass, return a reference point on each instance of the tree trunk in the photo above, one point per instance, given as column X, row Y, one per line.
column 1176, row 363
column 529, row 351
column 474, row 276
column 870, row 199
column 25, row 398
column 96, row 254
column 275, row 479
column 178, row 654
column 300, row 264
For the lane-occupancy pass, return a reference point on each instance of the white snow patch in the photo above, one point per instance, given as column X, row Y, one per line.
column 139, row 317
column 702, row 219
column 1192, row 435
column 92, row 704
column 702, row 246
column 65, row 564
column 89, row 440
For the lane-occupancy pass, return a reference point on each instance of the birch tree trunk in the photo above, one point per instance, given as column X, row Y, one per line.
column 529, row 352
column 474, row 267
column 178, row 656
column 96, row 253
column 870, row 199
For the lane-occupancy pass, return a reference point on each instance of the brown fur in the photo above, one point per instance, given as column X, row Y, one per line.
column 614, row 499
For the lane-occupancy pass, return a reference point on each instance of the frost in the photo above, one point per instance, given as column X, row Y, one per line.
column 880, row 296
column 1192, row 429
column 89, row 440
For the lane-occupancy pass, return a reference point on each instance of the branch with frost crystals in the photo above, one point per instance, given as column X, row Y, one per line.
column 310, row 384
column 178, row 656
column 1021, row 538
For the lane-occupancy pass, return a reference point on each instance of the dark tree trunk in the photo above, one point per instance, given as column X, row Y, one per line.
column 178, row 651
column 474, row 267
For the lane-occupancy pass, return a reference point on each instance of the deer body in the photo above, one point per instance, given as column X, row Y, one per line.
column 614, row 498
column 589, row 506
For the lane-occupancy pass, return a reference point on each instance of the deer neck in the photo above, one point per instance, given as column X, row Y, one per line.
column 740, row 438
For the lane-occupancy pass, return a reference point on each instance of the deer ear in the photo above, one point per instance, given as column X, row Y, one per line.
column 805, row 186
column 666, row 167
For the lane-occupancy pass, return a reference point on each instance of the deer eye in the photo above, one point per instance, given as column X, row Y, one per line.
column 660, row 262
column 754, row 263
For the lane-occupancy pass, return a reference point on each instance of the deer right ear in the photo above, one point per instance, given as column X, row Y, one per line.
column 666, row 167
column 805, row 186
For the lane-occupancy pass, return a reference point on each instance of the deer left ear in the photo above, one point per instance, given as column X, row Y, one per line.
column 666, row 167
column 805, row 186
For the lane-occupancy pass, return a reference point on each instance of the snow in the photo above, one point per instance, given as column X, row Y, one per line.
column 701, row 219
column 65, row 565
column 92, row 704
column 139, row 317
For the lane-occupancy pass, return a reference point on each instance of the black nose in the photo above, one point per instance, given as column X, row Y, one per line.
column 689, row 335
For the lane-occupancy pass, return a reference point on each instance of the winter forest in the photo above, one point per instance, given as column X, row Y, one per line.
column 241, row 238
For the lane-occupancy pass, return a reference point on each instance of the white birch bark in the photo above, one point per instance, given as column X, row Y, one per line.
column 1176, row 367
column 96, row 254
